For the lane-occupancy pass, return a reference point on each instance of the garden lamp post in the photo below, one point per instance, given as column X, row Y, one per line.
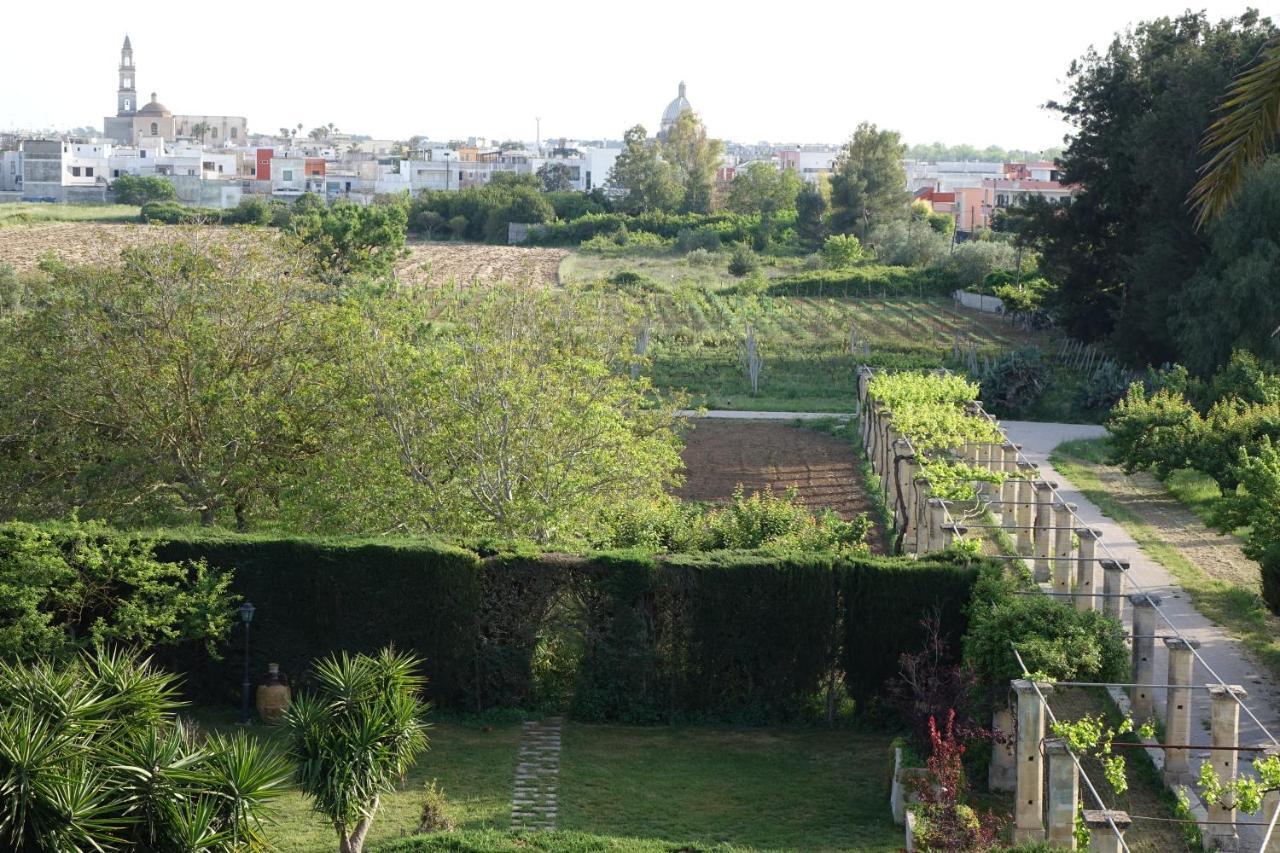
column 246, row 616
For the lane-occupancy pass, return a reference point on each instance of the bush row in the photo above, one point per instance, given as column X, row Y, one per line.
column 868, row 280
column 727, row 227
column 748, row 636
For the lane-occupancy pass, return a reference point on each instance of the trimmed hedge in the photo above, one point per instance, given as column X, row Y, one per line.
column 747, row 636
column 869, row 280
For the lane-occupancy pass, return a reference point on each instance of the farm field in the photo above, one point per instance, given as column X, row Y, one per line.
column 824, row 471
column 437, row 264
column 24, row 213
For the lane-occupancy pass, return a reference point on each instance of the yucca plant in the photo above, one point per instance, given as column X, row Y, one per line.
column 1241, row 136
column 355, row 736
column 93, row 758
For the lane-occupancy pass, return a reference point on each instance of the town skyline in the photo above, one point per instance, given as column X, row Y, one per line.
column 978, row 76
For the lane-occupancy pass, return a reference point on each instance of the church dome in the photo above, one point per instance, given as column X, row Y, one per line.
column 675, row 108
column 155, row 108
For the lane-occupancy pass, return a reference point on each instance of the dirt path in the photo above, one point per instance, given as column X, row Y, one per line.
column 824, row 470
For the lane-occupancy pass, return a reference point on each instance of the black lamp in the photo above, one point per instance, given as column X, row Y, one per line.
column 246, row 616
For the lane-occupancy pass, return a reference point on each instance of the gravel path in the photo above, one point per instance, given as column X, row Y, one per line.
column 1213, row 553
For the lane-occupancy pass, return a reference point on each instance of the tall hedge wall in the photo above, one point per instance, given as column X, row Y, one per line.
column 727, row 635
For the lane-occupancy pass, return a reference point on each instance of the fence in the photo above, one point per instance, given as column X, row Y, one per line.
column 1065, row 554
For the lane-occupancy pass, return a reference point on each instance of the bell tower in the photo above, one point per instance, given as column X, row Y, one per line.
column 126, row 94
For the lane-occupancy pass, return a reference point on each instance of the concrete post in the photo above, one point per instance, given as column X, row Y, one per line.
column 894, row 477
column 1141, row 695
column 1009, row 488
column 1113, row 589
column 1087, row 569
column 1224, row 730
column 1270, row 802
column 870, row 421
column 922, row 515
column 910, row 472
column 1063, row 546
column 1043, row 521
column 1003, row 771
column 1028, row 822
column 887, row 442
column 1104, row 834
column 937, row 518
column 1026, row 507
column 1064, row 794
column 951, row 533
column 1177, row 711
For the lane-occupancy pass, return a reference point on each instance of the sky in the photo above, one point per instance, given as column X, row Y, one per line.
column 976, row 72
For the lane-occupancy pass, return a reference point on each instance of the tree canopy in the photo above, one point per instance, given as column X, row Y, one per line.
column 649, row 182
column 762, row 187
column 695, row 159
column 868, row 184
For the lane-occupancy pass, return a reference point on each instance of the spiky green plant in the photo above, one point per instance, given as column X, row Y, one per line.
column 355, row 736
column 1241, row 136
column 93, row 757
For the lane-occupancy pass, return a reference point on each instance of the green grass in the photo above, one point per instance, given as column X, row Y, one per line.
column 32, row 213
column 474, row 766
column 552, row 842
column 632, row 789
column 779, row 788
column 1240, row 611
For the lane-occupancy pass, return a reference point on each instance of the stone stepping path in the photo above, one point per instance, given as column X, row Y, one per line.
column 537, row 775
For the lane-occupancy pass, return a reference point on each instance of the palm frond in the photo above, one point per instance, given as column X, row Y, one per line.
column 1241, row 136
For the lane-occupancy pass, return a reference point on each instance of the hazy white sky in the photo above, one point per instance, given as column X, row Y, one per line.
column 975, row 72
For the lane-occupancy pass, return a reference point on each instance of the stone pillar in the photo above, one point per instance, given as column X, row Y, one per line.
column 937, row 518
column 870, row 419
column 1177, row 712
column 1029, row 794
column 910, row 473
column 1063, row 546
column 1087, row 570
column 1224, row 730
column 1043, row 521
column 1141, row 695
column 897, row 479
column 922, row 515
column 1064, row 794
column 951, row 533
column 1113, row 589
column 1009, row 488
column 1106, row 829
column 1026, row 507
column 1003, row 771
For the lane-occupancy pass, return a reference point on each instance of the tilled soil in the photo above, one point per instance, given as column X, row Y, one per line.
column 430, row 264
column 824, row 470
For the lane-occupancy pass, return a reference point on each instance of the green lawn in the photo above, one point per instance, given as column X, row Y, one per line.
column 25, row 213
column 640, row 789
column 1239, row 610
column 782, row 788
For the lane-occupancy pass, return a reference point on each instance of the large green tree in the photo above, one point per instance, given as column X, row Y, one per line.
column 514, row 415
column 646, row 180
column 695, row 158
column 1126, row 245
column 869, row 183
column 762, row 187
column 190, row 382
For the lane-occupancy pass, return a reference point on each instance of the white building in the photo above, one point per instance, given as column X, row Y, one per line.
column 947, row 176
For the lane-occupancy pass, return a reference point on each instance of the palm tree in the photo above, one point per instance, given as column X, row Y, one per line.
column 200, row 130
column 1241, row 136
column 356, row 736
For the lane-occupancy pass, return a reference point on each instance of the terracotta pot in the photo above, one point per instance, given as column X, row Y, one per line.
column 273, row 697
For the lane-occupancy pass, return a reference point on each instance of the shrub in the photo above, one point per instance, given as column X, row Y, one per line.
column 700, row 258
column 1270, row 565
column 1254, row 504
column 705, row 237
column 743, row 260
column 973, row 261
column 1159, row 432
column 131, row 189
column 458, row 227
column 1014, row 381
column 1053, row 638
column 250, row 211
column 80, row 584
column 95, row 758
column 172, row 213
column 869, row 280
column 437, row 814
column 908, row 244
column 1031, row 296
column 842, row 250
